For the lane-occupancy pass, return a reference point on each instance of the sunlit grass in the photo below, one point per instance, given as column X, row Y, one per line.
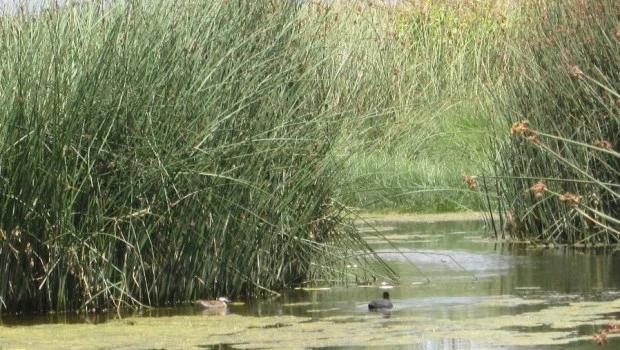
column 433, row 66
column 154, row 153
column 419, row 167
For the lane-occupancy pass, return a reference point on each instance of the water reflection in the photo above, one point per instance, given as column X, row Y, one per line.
column 458, row 290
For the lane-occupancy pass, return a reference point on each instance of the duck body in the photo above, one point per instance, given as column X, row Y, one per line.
column 382, row 304
column 220, row 303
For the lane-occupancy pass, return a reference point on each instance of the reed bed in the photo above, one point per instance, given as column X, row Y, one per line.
column 157, row 152
column 153, row 153
column 432, row 62
column 557, row 161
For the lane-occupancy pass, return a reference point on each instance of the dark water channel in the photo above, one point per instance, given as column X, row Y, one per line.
column 458, row 290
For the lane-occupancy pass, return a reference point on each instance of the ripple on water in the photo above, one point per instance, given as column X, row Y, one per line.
column 473, row 295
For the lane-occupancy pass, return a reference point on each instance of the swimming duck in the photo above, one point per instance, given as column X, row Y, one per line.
column 385, row 303
column 220, row 303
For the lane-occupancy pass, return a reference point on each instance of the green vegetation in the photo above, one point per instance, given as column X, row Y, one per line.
column 559, row 169
column 438, row 60
column 145, row 161
column 540, row 326
column 154, row 152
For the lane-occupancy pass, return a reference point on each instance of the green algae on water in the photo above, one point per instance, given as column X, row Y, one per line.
column 357, row 329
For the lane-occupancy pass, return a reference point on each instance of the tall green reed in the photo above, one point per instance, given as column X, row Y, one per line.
column 153, row 153
column 429, row 64
column 557, row 164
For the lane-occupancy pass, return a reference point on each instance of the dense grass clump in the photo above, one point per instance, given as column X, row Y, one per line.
column 558, row 165
column 154, row 153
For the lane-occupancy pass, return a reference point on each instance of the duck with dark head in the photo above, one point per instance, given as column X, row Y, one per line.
column 382, row 304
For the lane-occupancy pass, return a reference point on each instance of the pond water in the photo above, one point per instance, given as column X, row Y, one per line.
column 458, row 290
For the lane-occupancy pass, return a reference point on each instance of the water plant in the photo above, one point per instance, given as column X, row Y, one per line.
column 430, row 61
column 557, row 163
column 156, row 152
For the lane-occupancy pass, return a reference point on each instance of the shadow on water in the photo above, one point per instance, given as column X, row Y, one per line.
column 458, row 290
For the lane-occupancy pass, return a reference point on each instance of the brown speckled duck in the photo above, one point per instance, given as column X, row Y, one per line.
column 220, row 304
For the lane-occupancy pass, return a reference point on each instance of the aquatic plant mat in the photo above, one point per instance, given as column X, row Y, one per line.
column 550, row 326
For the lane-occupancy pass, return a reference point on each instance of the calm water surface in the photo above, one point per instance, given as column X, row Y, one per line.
column 457, row 290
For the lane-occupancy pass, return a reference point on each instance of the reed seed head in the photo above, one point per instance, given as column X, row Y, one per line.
column 603, row 144
column 538, row 189
column 600, row 338
column 519, row 127
column 533, row 138
column 570, row 198
column 575, row 71
column 470, row 181
column 613, row 326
